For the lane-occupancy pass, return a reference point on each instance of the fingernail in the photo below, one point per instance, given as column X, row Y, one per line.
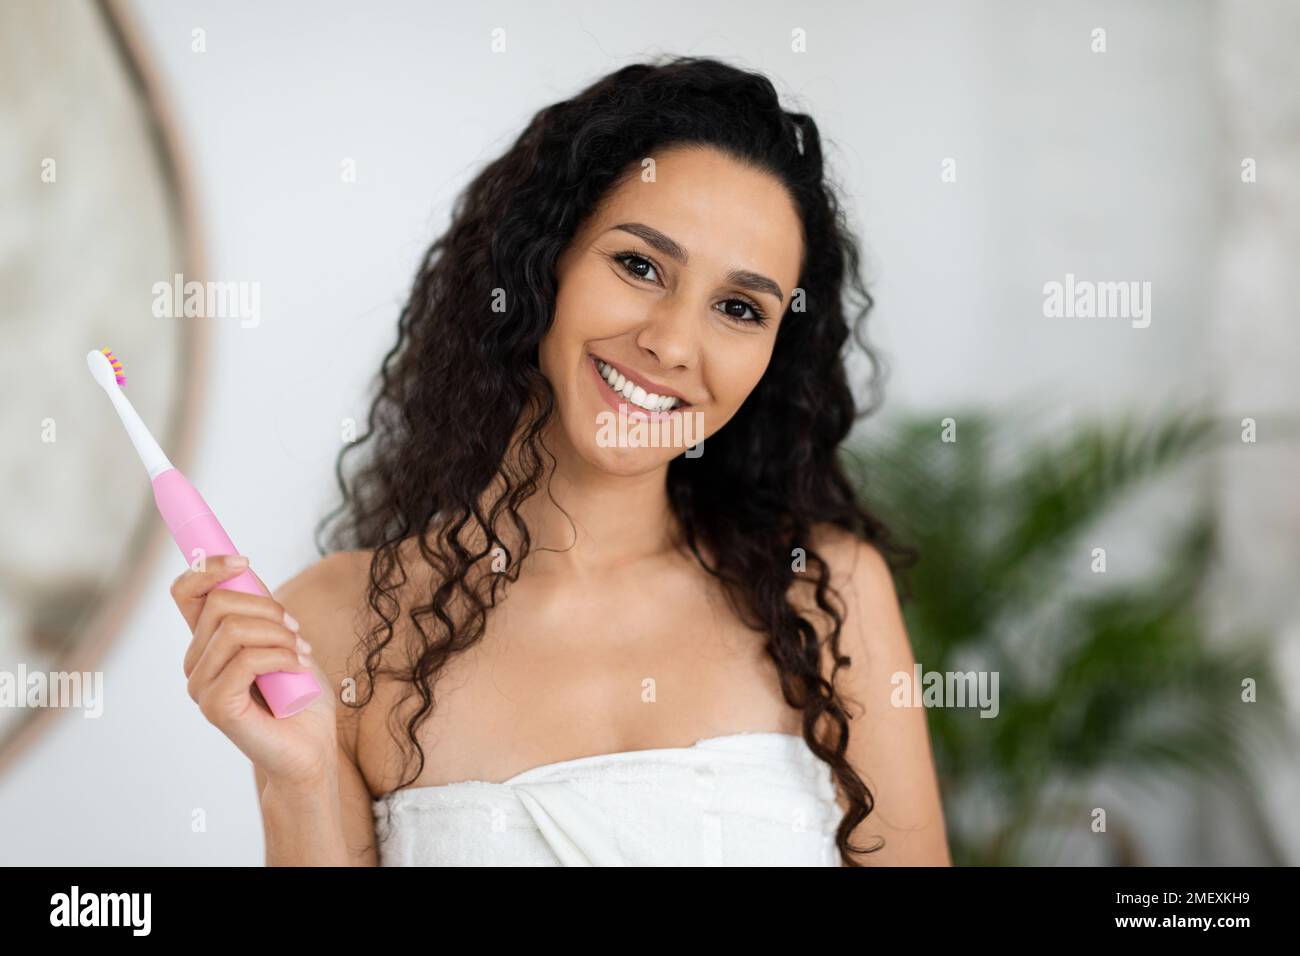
column 303, row 661
column 237, row 561
column 303, row 646
column 289, row 622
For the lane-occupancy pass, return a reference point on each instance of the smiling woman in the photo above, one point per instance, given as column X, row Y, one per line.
column 651, row 287
column 640, row 656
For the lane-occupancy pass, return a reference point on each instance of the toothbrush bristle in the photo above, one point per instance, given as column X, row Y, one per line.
column 117, row 367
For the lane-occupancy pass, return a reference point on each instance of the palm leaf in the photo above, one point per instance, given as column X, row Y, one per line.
column 1109, row 679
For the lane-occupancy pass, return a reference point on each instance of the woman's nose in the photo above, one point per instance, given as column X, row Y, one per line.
column 672, row 333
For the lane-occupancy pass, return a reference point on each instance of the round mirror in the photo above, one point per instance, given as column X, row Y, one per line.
column 96, row 212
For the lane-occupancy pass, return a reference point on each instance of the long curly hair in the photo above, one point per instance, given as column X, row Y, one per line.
column 455, row 429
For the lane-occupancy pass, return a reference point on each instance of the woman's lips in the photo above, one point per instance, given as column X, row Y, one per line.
column 651, row 388
column 614, row 400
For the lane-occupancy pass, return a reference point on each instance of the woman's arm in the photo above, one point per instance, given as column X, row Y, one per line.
column 889, row 746
column 303, row 826
column 329, row 822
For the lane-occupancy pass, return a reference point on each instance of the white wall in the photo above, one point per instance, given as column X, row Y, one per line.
column 1068, row 161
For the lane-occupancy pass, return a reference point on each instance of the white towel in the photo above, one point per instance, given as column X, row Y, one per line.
column 747, row 799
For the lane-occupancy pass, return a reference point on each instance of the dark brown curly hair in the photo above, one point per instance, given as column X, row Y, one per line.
column 461, row 403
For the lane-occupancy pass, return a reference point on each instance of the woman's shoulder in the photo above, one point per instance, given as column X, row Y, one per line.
column 862, row 592
column 327, row 579
column 854, row 562
column 326, row 597
column 330, row 597
column 887, row 744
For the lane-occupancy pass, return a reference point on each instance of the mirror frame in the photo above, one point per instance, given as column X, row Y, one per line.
column 126, row 584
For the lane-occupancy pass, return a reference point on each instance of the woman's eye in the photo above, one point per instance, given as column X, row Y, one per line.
column 756, row 315
column 639, row 267
column 629, row 260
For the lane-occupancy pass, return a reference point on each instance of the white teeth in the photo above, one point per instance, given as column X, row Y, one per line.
column 635, row 393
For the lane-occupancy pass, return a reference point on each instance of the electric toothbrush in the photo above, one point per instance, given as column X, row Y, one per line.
column 194, row 527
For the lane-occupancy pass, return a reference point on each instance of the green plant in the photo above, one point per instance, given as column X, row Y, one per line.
column 1099, row 673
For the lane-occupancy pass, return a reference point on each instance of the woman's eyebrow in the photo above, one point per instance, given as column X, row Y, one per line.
column 744, row 278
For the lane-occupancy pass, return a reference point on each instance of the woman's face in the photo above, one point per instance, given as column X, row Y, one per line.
column 674, row 286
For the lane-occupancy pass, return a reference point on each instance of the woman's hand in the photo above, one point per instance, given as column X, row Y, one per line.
column 237, row 637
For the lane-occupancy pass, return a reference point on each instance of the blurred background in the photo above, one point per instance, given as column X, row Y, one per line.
column 1106, row 508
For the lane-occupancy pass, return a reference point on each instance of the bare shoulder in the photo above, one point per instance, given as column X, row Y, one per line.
column 863, row 590
column 327, row 598
column 854, row 562
column 889, row 747
column 326, row 576
column 330, row 600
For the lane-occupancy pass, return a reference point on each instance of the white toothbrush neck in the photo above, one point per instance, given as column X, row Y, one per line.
column 151, row 455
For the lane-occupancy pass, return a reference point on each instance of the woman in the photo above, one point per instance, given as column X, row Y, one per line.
column 556, row 638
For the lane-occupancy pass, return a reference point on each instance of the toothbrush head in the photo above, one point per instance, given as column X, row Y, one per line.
column 107, row 372
column 106, row 368
column 117, row 367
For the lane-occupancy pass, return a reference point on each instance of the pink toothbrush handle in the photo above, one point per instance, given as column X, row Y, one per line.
column 197, row 532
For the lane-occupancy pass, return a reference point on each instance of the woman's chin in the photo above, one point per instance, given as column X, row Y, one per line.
column 618, row 458
column 625, row 447
column 626, row 462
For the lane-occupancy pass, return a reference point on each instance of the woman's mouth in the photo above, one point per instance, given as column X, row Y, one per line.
column 617, row 389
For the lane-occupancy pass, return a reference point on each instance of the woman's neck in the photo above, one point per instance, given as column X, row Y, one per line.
column 585, row 521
